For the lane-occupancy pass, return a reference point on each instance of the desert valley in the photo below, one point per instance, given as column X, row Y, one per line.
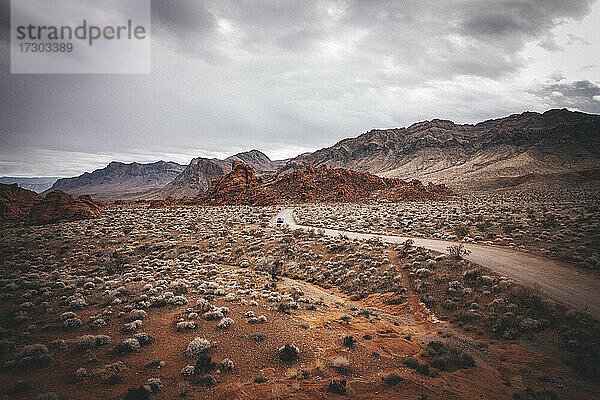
column 437, row 261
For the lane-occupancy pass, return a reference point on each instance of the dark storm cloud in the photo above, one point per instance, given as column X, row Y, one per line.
column 289, row 76
column 582, row 95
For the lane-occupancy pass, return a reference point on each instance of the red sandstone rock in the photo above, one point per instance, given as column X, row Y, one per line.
column 239, row 187
column 59, row 206
column 321, row 184
column 15, row 202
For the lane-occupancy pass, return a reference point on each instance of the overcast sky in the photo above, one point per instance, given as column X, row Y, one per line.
column 292, row 76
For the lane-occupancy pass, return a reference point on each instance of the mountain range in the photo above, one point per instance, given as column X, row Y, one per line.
column 119, row 180
column 37, row 185
column 467, row 155
column 463, row 156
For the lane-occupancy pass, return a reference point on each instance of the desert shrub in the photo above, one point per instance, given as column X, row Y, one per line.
column 212, row 315
column 98, row 323
column 348, row 341
column 47, row 396
column 341, row 365
column 137, row 314
column 337, row 386
column 413, row 363
column 204, row 365
column 461, row 230
column 131, row 326
column 260, row 379
column 203, row 305
column 472, row 275
column 127, row 346
column 89, row 342
column 531, row 394
column 81, row 373
column 286, row 304
column 155, row 385
column 197, row 347
column 227, row 365
column 156, row 363
column 275, row 270
column 6, row 346
column 188, row 370
column 257, row 337
column 447, row 358
column 34, row 356
column 289, row 353
column 458, row 251
column 71, row 323
column 140, row 393
column 178, row 301
column 259, row 320
column 225, row 323
column 21, row 387
column 68, row 315
column 482, row 226
column 392, row 380
column 183, row 389
column 143, row 338
column 114, row 379
column 186, row 325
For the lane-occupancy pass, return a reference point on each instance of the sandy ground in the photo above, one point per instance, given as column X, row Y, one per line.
column 558, row 281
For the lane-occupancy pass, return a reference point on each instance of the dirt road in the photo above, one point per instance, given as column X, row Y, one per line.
column 559, row 282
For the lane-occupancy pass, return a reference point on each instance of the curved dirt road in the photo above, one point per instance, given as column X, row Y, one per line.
column 557, row 281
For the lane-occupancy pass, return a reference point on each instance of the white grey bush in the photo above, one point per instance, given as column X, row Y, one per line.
column 188, row 370
column 225, row 323
column 137, row 314
column 72, row 323
column 80, row 373
column 212, row 315
column 186, row 325
column 131, row 326
column 227, row 365
column 197, row 347
column 127, row 346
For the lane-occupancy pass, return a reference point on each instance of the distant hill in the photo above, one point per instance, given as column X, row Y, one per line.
column 470, row 155
column 198, row 175
column 37, row 185
column 119, row 180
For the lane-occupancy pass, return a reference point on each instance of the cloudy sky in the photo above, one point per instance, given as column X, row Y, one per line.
column 292, row 76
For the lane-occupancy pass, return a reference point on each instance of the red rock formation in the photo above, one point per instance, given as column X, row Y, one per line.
column 169, row 201
column 322, row 184
column 15, row 202
column 240, row 187
column 59, row 206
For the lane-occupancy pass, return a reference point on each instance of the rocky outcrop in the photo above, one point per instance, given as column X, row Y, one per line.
column 312, row 185
column 240, row 187
column 470, row 156
column 15, row 202
column 59, row 206
column 324, row 184
column 118, row 180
